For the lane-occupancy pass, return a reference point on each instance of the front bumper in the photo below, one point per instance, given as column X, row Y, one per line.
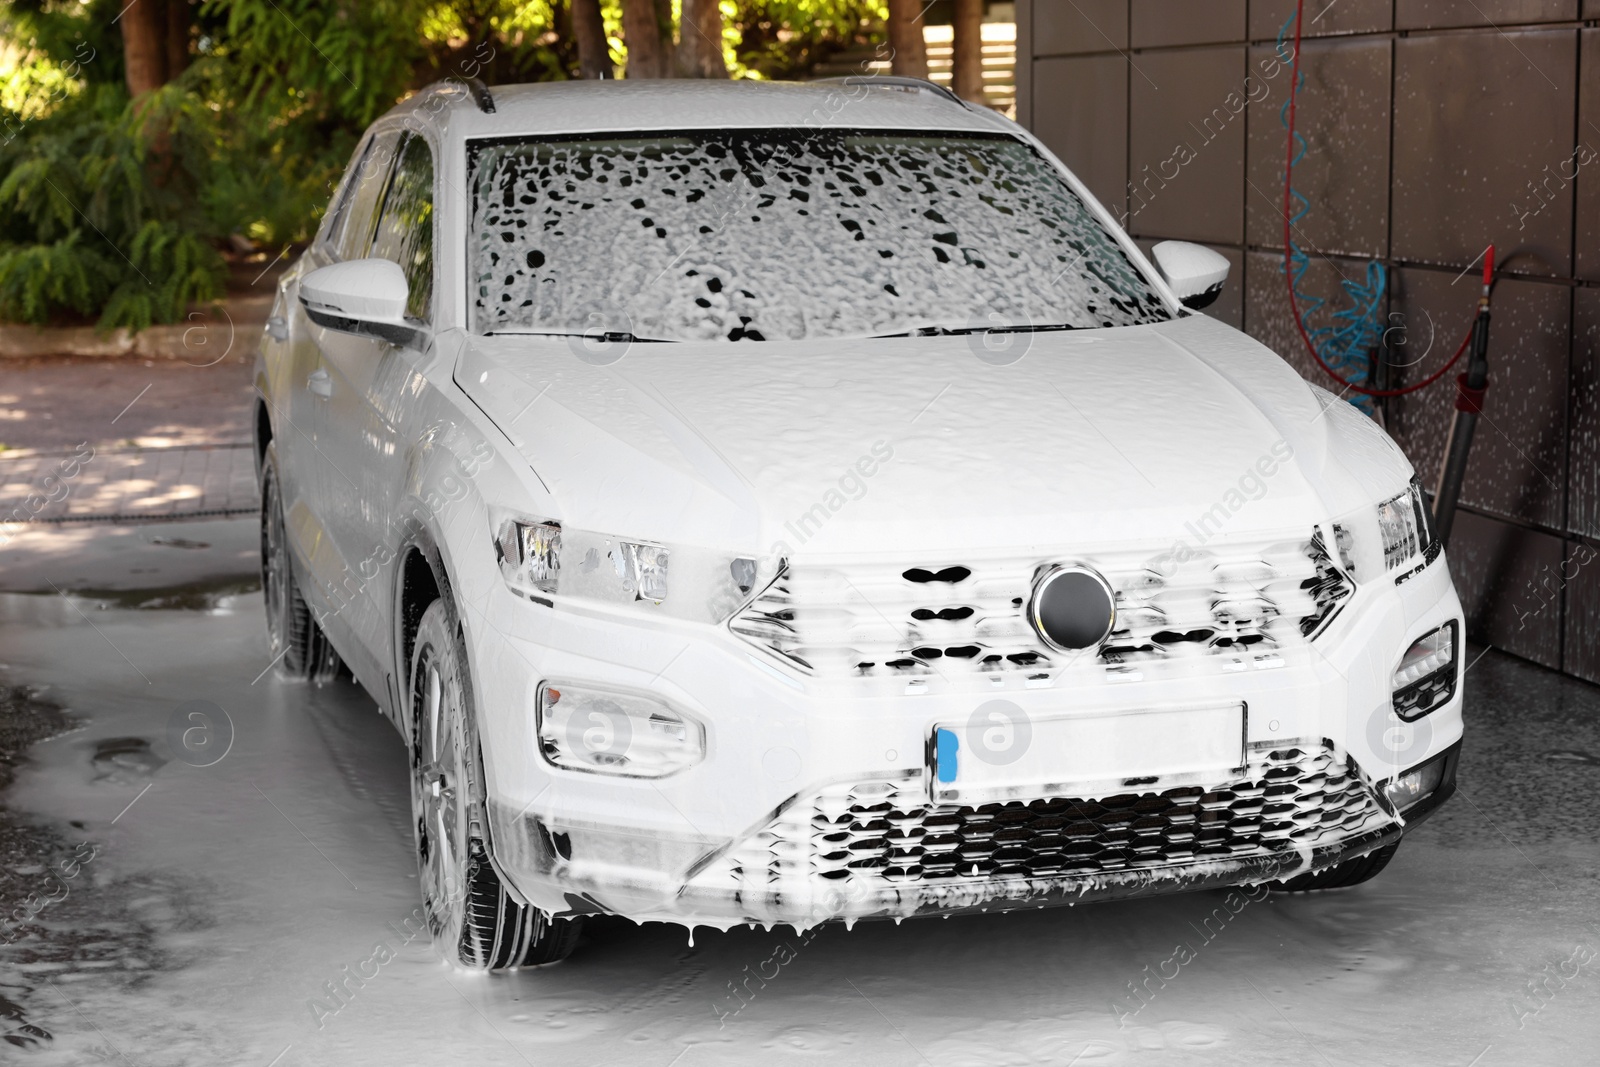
column 814, row 806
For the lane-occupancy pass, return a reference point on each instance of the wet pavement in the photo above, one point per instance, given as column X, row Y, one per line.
column 207, row 865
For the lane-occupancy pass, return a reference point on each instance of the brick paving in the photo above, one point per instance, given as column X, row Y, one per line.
column 127, row 484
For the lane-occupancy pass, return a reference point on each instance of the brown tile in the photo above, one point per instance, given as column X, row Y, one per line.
column 1518, row 461
column 1508, row 578
column 1064, row 29
column 1580, row 577
column 1583, row 507
column 1435, row 14
column 1186, row 141
column 1477, row 117
column 1080, row 110
column 1323, row 17
column 1586, row 159
column 1343, row 114
column 1168, row 22
column 1229, row 307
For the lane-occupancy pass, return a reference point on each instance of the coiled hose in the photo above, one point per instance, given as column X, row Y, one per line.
column 1340, row 348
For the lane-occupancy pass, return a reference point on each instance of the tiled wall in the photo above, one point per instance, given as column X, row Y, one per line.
column 1435, row 127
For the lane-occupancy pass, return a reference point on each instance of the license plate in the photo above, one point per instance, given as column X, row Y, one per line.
column 1002, row 753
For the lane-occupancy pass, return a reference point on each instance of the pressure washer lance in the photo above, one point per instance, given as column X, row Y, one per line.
column 1470, row 388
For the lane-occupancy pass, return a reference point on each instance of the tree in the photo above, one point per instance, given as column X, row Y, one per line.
column 155, row 43
column 700, row 40
column 589, row 29
column 967, row 78
column 905, row 39
column 649, row 54
column 179, row 19
column 144, row 46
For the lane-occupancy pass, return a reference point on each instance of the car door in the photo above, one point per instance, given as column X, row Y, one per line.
column 298, row 379
column 346, row 235
column 363, row 379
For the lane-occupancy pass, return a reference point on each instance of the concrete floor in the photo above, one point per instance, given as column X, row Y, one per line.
column 181, row 914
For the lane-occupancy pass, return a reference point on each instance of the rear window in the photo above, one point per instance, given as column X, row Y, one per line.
column 750, row 235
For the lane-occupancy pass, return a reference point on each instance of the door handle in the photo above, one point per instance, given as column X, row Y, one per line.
column 319, row 383
column 277, row 328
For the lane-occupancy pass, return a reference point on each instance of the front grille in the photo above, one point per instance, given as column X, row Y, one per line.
column 1238, row 603
column 883, row 833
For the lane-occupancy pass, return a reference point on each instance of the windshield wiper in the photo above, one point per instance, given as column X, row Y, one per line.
column 963, row 331
column 608, row 336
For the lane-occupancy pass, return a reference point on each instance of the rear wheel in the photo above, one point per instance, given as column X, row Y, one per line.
column 299, row 647
column 1340, row 875
column 474, row 920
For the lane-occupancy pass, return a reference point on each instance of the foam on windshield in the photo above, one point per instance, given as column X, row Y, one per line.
column 792, row 235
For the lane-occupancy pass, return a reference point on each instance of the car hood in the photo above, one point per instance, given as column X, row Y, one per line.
column 930, row 444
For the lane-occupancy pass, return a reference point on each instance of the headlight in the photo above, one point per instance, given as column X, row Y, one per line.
column 1426, row 677
column 530, row 554
column 616, row 731
column 642, row 568
column 1394, row 539
column 1403, row 527
column 541, row 559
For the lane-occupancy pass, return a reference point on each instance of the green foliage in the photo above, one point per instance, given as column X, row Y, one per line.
column 37, row 279
column 103, row 212
column 176, row 268
column 299, row 60
column 785, row 38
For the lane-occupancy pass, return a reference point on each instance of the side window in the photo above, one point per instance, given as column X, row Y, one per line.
column 350, row 233
column 405, row 229
column 328, row 232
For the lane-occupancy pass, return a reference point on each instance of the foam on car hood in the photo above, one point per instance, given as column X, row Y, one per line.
column 916, row 445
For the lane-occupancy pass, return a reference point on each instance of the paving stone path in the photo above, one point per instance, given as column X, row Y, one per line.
column 127, row 484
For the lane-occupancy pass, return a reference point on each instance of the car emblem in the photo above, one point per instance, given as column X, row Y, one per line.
column 1072, row 608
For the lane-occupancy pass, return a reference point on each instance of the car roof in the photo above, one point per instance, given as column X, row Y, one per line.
column 587, row 107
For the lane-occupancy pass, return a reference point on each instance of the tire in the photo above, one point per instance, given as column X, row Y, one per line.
column 300, row 649
column 1340, row 875
column 475, row 922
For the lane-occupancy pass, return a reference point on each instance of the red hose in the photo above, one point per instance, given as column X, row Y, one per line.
column 1288, row 273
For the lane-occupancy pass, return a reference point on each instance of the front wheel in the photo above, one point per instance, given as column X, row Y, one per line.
column 475, row 922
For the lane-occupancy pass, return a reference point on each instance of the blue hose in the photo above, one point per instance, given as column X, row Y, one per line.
column 1356, row 329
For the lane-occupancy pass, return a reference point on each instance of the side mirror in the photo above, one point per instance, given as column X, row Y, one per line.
column 1195, row 272
column 360, row 296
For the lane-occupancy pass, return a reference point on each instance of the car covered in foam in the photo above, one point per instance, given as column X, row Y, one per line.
column 763, row 503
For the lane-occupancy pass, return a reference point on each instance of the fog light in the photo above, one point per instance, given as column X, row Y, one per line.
column 1415, row 785
column 614, row 731
column 1426, row 677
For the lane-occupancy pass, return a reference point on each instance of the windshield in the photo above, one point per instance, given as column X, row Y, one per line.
column 785, row 234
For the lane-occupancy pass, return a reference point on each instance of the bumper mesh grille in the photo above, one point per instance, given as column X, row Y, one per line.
column 887, row 833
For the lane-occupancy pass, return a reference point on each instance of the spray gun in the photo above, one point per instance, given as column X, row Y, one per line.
column 1470, row 388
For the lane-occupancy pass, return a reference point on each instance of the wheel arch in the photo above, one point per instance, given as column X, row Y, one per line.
column 420, row 579
column 423, row 576
column 261, row 432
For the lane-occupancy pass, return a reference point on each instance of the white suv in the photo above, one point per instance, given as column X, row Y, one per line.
column 762, row 503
